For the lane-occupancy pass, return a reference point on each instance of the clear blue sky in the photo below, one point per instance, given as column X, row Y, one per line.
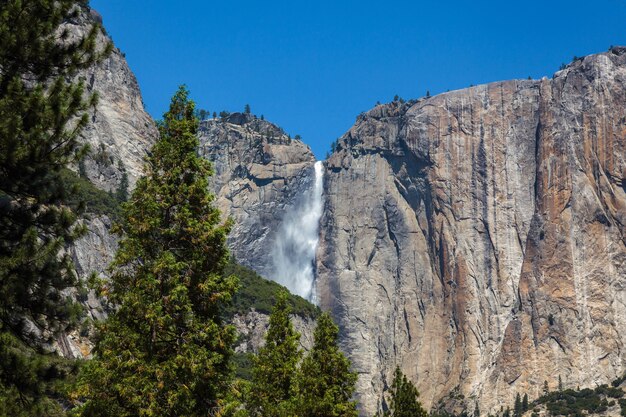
column 313, row 66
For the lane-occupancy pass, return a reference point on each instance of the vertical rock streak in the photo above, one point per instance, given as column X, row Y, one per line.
column 475, row 239
column 293, row 255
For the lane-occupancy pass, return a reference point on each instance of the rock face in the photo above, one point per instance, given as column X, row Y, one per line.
column 120, row 131
column 252, row 326
column 119, row 134
column 259, row 174
column 476, row 238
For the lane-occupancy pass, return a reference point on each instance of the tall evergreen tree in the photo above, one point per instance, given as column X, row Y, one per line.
column 325, row 383
column 42, row 113
column 404, row 398
column 517, row 408
column 525, row 403
column 165, row 350
column 275, row 367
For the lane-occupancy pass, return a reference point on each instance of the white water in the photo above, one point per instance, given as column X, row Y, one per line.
column 293, row 254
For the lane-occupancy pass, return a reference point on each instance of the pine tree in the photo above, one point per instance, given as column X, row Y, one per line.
column 517, row 408
column 121, row 193
column 546, row 389
column 247, row 109
column 165, row 351
column 404, row 398
column 42, row 113
column 525, row 403
column 325, row 384
column 275, row 366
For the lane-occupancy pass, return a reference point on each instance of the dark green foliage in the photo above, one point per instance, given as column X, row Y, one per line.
column 38, row 379
column 622, row 406
column 103, row 157
column 42, row 114
column 571, row 402
column 88, row 198
column 525, row 403
column 517, row 408
column 165, row 350
column 243, row 362
column 82, row 171
column 403, row 401
column 618, row 381
column 275, row 367
column 261, row 294
column 202, row 114
column 334, row 146
column 224, row 114
column 325, row 384
column 122, row 190
column 247, row 109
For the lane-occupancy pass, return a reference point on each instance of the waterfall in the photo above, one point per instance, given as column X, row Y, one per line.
column 293, row 254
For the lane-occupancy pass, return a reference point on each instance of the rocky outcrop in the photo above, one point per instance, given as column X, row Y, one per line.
column 476, row 238
column 252, row 326
column 119, row 135
column 120, row 131
column 260, row 172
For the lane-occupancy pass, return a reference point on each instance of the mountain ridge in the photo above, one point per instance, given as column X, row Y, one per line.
column 433, row 251
column 432, row 255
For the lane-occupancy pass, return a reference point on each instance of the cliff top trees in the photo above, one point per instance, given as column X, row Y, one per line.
column 42, row 114
column 165, row 351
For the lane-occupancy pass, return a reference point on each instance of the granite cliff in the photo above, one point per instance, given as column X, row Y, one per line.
column 476, row 238
column 259, row 173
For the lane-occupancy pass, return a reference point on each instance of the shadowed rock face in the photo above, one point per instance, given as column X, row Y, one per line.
column 476, row 238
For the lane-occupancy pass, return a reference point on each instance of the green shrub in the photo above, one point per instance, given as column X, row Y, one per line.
column 571, row 402
column 258, row 293
column 89, row 197
column 243, row 362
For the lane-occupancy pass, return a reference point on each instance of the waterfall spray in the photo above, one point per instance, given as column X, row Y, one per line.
column 296, row 242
